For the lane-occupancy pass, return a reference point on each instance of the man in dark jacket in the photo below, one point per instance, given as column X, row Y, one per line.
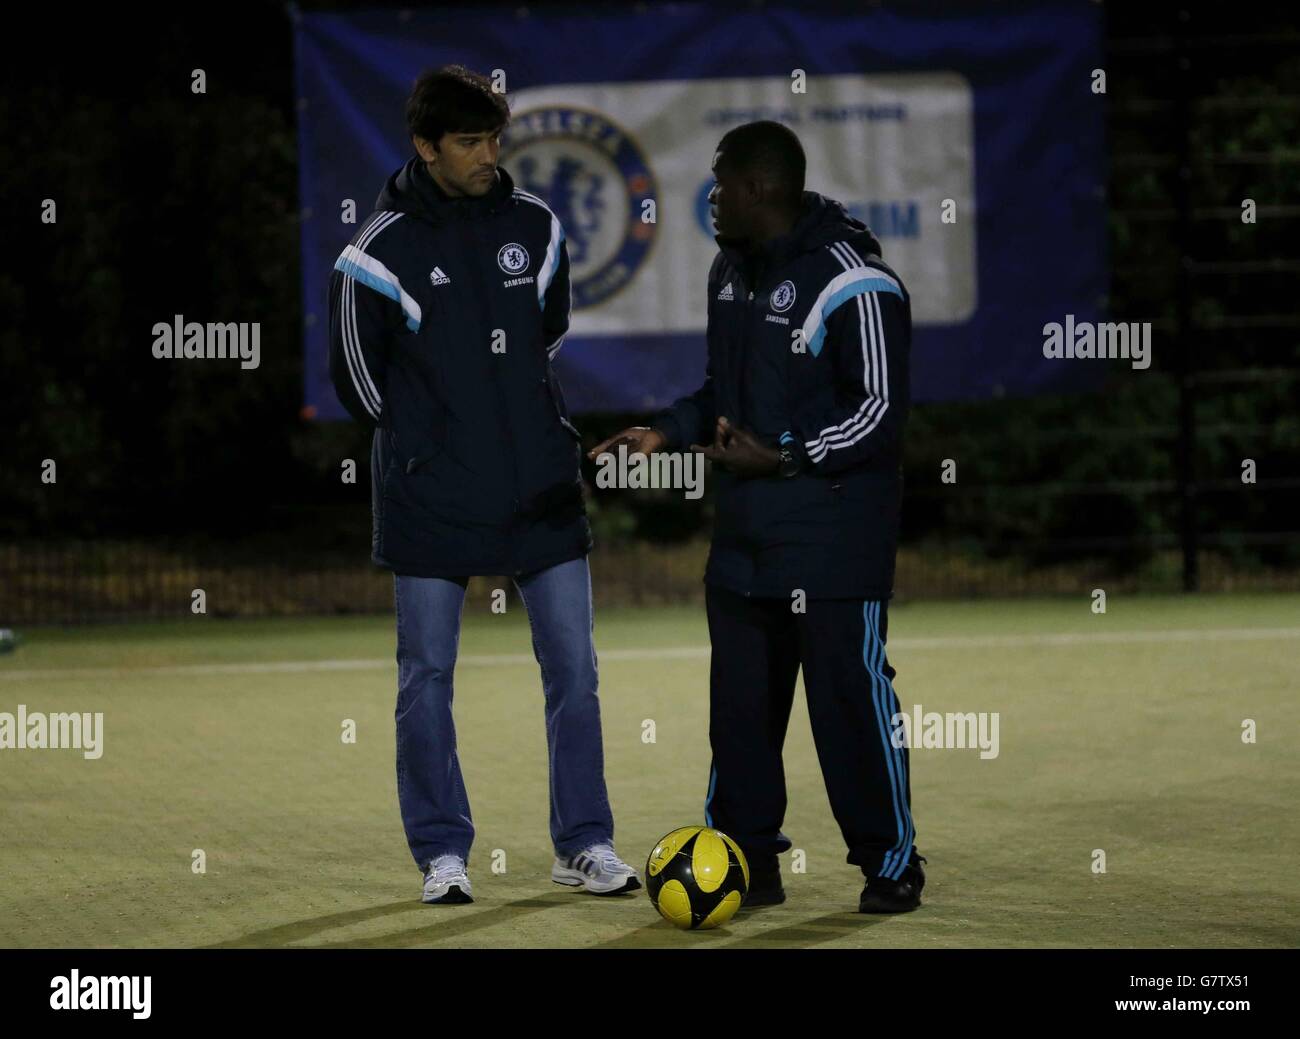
column 446, row 310
column 802, row 412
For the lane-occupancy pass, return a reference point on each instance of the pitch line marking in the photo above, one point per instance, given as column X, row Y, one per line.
column 665, row 652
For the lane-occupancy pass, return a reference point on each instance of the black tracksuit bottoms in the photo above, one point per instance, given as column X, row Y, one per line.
column 758, row 645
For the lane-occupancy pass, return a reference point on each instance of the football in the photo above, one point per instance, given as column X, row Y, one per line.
column 696, row 877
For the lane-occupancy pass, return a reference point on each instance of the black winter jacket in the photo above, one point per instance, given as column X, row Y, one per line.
column 808, row 344
column 445, row 314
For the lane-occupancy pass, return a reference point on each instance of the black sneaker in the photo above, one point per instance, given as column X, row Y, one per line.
column 882, row 895
column 764, row 886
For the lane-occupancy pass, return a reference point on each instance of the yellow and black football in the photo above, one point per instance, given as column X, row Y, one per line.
column 696, row 877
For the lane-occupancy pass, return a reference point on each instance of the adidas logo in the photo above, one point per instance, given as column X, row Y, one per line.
column 438, row 278
column 726, row 292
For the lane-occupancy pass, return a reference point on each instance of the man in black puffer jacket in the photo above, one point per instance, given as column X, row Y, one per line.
column 802, row 412
column 446, row 310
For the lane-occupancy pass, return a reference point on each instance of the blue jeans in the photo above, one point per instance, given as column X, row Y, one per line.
column 430, row 789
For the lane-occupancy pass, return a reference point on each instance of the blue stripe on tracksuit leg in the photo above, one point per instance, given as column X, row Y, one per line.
column 873, row 651
column 869, row 653
column 900, row 757
column 905, row 852
column 713, row 782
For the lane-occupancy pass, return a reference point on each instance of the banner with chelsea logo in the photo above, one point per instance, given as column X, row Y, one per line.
column 969, row 141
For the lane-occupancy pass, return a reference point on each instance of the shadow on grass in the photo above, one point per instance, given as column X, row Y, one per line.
column 803, row 934
column 797, row 934
column 437, row 924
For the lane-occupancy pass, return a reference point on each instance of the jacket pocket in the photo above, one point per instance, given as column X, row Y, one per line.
column 420, row 463
column 854, row 488
column 418, row 449
column 557, row 402
column 440, row 489
column 384, row 459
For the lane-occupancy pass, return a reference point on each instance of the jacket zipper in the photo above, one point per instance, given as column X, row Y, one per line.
column 475, row 234
column 742, row 352
column 747, row 340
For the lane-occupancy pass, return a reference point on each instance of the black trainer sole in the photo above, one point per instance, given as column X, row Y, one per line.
column 875, row 906
column 632, row 885
column 764, row 898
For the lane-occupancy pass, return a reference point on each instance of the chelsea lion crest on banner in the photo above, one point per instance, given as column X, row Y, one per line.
column 595, row 178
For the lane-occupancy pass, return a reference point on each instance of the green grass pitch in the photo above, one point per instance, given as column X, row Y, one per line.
column 1120, row 732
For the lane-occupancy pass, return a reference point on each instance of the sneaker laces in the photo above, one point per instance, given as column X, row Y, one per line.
column 446, row 867
column 607, row 859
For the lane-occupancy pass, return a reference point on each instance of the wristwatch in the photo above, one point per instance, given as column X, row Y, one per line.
column 789, row 464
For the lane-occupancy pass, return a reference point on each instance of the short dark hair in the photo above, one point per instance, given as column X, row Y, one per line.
column 769, row 150
column 454, row 99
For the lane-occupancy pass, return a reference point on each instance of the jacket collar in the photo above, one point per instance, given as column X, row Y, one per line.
column 412, row 190
column 821, row 221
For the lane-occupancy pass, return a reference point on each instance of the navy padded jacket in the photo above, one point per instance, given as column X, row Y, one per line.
column 808, row 344
column 445, row 315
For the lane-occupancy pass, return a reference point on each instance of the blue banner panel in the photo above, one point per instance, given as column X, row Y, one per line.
column 970, row 142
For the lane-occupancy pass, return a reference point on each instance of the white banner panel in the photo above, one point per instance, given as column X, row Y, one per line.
column 891, row 148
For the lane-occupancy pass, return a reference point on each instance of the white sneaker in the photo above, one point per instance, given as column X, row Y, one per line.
column 597, row 869
column 446, row 882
